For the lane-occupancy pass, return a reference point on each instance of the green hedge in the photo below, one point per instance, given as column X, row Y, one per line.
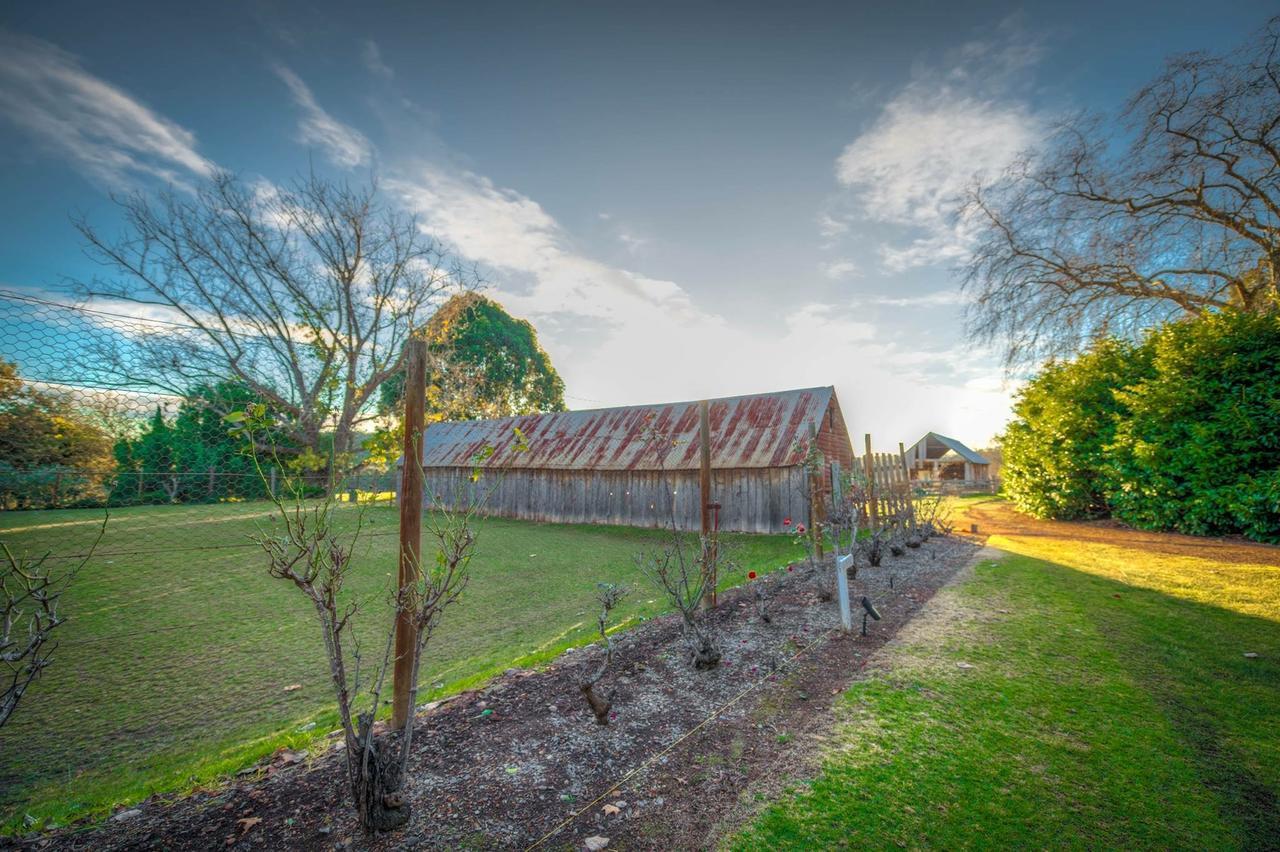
column 1180, row 432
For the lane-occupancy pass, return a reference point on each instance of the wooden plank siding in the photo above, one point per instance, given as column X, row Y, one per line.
column 752, row 499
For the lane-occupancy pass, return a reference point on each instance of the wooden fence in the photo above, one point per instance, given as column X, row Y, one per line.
column 752, row 499
column 888, row 487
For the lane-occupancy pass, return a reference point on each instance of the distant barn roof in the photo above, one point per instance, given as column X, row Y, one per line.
column 935, row 444
column 760, row 430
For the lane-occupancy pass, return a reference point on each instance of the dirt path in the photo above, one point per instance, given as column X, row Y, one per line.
column 997, row 517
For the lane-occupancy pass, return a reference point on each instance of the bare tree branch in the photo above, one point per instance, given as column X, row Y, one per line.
column 1175, row 211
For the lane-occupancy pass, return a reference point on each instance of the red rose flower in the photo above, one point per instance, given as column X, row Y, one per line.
column 786, row 522
column 800, row 528
column 751, row 575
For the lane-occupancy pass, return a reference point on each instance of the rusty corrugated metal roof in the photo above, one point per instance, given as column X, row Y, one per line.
column 760, row 430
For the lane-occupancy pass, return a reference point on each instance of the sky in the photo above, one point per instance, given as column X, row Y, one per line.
column 688, row 200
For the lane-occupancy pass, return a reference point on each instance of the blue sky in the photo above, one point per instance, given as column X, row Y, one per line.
column 687, row 199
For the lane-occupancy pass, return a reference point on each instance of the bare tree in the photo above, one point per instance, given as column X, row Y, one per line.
column 608, row 595
column 314, row 552
column 679, row 571
column 305, row 293
column 684, row 568
column 1174, row 210
column 30, row 595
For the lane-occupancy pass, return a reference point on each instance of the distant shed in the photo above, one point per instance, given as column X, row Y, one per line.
column 625, row 465
column 939, row 458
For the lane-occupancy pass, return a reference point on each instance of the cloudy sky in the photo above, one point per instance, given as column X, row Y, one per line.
column 687, row 199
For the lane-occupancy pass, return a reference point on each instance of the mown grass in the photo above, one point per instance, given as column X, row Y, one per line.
column 1109, row 705
column 173, row 667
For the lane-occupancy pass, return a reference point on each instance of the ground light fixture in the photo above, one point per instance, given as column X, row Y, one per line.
column 869, row 609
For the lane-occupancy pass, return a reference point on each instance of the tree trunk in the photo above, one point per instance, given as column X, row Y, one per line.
column 599, row 706
column 376, row 782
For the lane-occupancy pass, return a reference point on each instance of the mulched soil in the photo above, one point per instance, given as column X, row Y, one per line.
column 522, row 761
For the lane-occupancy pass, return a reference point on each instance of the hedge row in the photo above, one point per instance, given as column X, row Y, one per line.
column 1178, row 432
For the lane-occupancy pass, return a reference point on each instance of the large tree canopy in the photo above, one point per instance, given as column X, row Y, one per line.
column 482, row 363
column 1113, row 227
column 305, row 294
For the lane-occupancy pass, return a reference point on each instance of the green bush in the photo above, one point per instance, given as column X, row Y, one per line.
column 1054, row 450
column 1180, row 432
column 1199, row 451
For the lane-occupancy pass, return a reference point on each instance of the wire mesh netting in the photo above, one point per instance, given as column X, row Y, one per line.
column 174, row 627
column 180, row 653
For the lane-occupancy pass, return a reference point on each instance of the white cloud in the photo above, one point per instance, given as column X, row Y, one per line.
column 829, row 226
column 105, row 132
column 839, row 269
column 342, row 144
column 619, row 337
column 946, row 127
column 632, row 242
column 929, row 300
column 371, row 55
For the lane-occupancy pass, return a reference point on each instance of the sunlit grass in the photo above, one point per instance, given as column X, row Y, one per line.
column 1100, row 700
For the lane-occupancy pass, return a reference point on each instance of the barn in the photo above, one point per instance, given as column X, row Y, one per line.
column 634, row 465
column 937, row 458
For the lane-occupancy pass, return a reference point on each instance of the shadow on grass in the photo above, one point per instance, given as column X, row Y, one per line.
column 1224, row 706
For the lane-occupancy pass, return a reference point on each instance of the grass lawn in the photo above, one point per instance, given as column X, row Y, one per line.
column 173, row 667
column 1087, row 689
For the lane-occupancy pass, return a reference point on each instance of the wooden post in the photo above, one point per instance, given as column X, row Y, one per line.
column 906, row 477
column 871, row 485
column 273, row 481
column 704, row 489
column 411, row 497
column 816, row 513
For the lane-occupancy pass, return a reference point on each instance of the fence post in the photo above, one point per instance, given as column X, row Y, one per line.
column 704, row 491
column 273, row 481
column 816, row 511
column 411, row 494
column 869, row 464
column 906, row 477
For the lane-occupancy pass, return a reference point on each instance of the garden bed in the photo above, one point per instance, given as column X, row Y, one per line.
column 523, row 760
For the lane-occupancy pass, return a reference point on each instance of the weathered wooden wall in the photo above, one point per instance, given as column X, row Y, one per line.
column 752, row 499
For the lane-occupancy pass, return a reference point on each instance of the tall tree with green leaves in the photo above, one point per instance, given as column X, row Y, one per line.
column 1054, row 450
column 1199, row 449
column 483, row 363
column 194, row 458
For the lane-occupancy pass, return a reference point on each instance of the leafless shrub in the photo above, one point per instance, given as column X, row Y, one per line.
column 684, row 576
column 314, row 553
column 684, row 572
column 844, row 520
column 933, row 516
column 30, row 594
column 608, row 595
column 873, row 546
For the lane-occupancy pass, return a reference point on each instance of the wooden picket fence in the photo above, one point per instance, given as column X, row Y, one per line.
column 888, row 483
